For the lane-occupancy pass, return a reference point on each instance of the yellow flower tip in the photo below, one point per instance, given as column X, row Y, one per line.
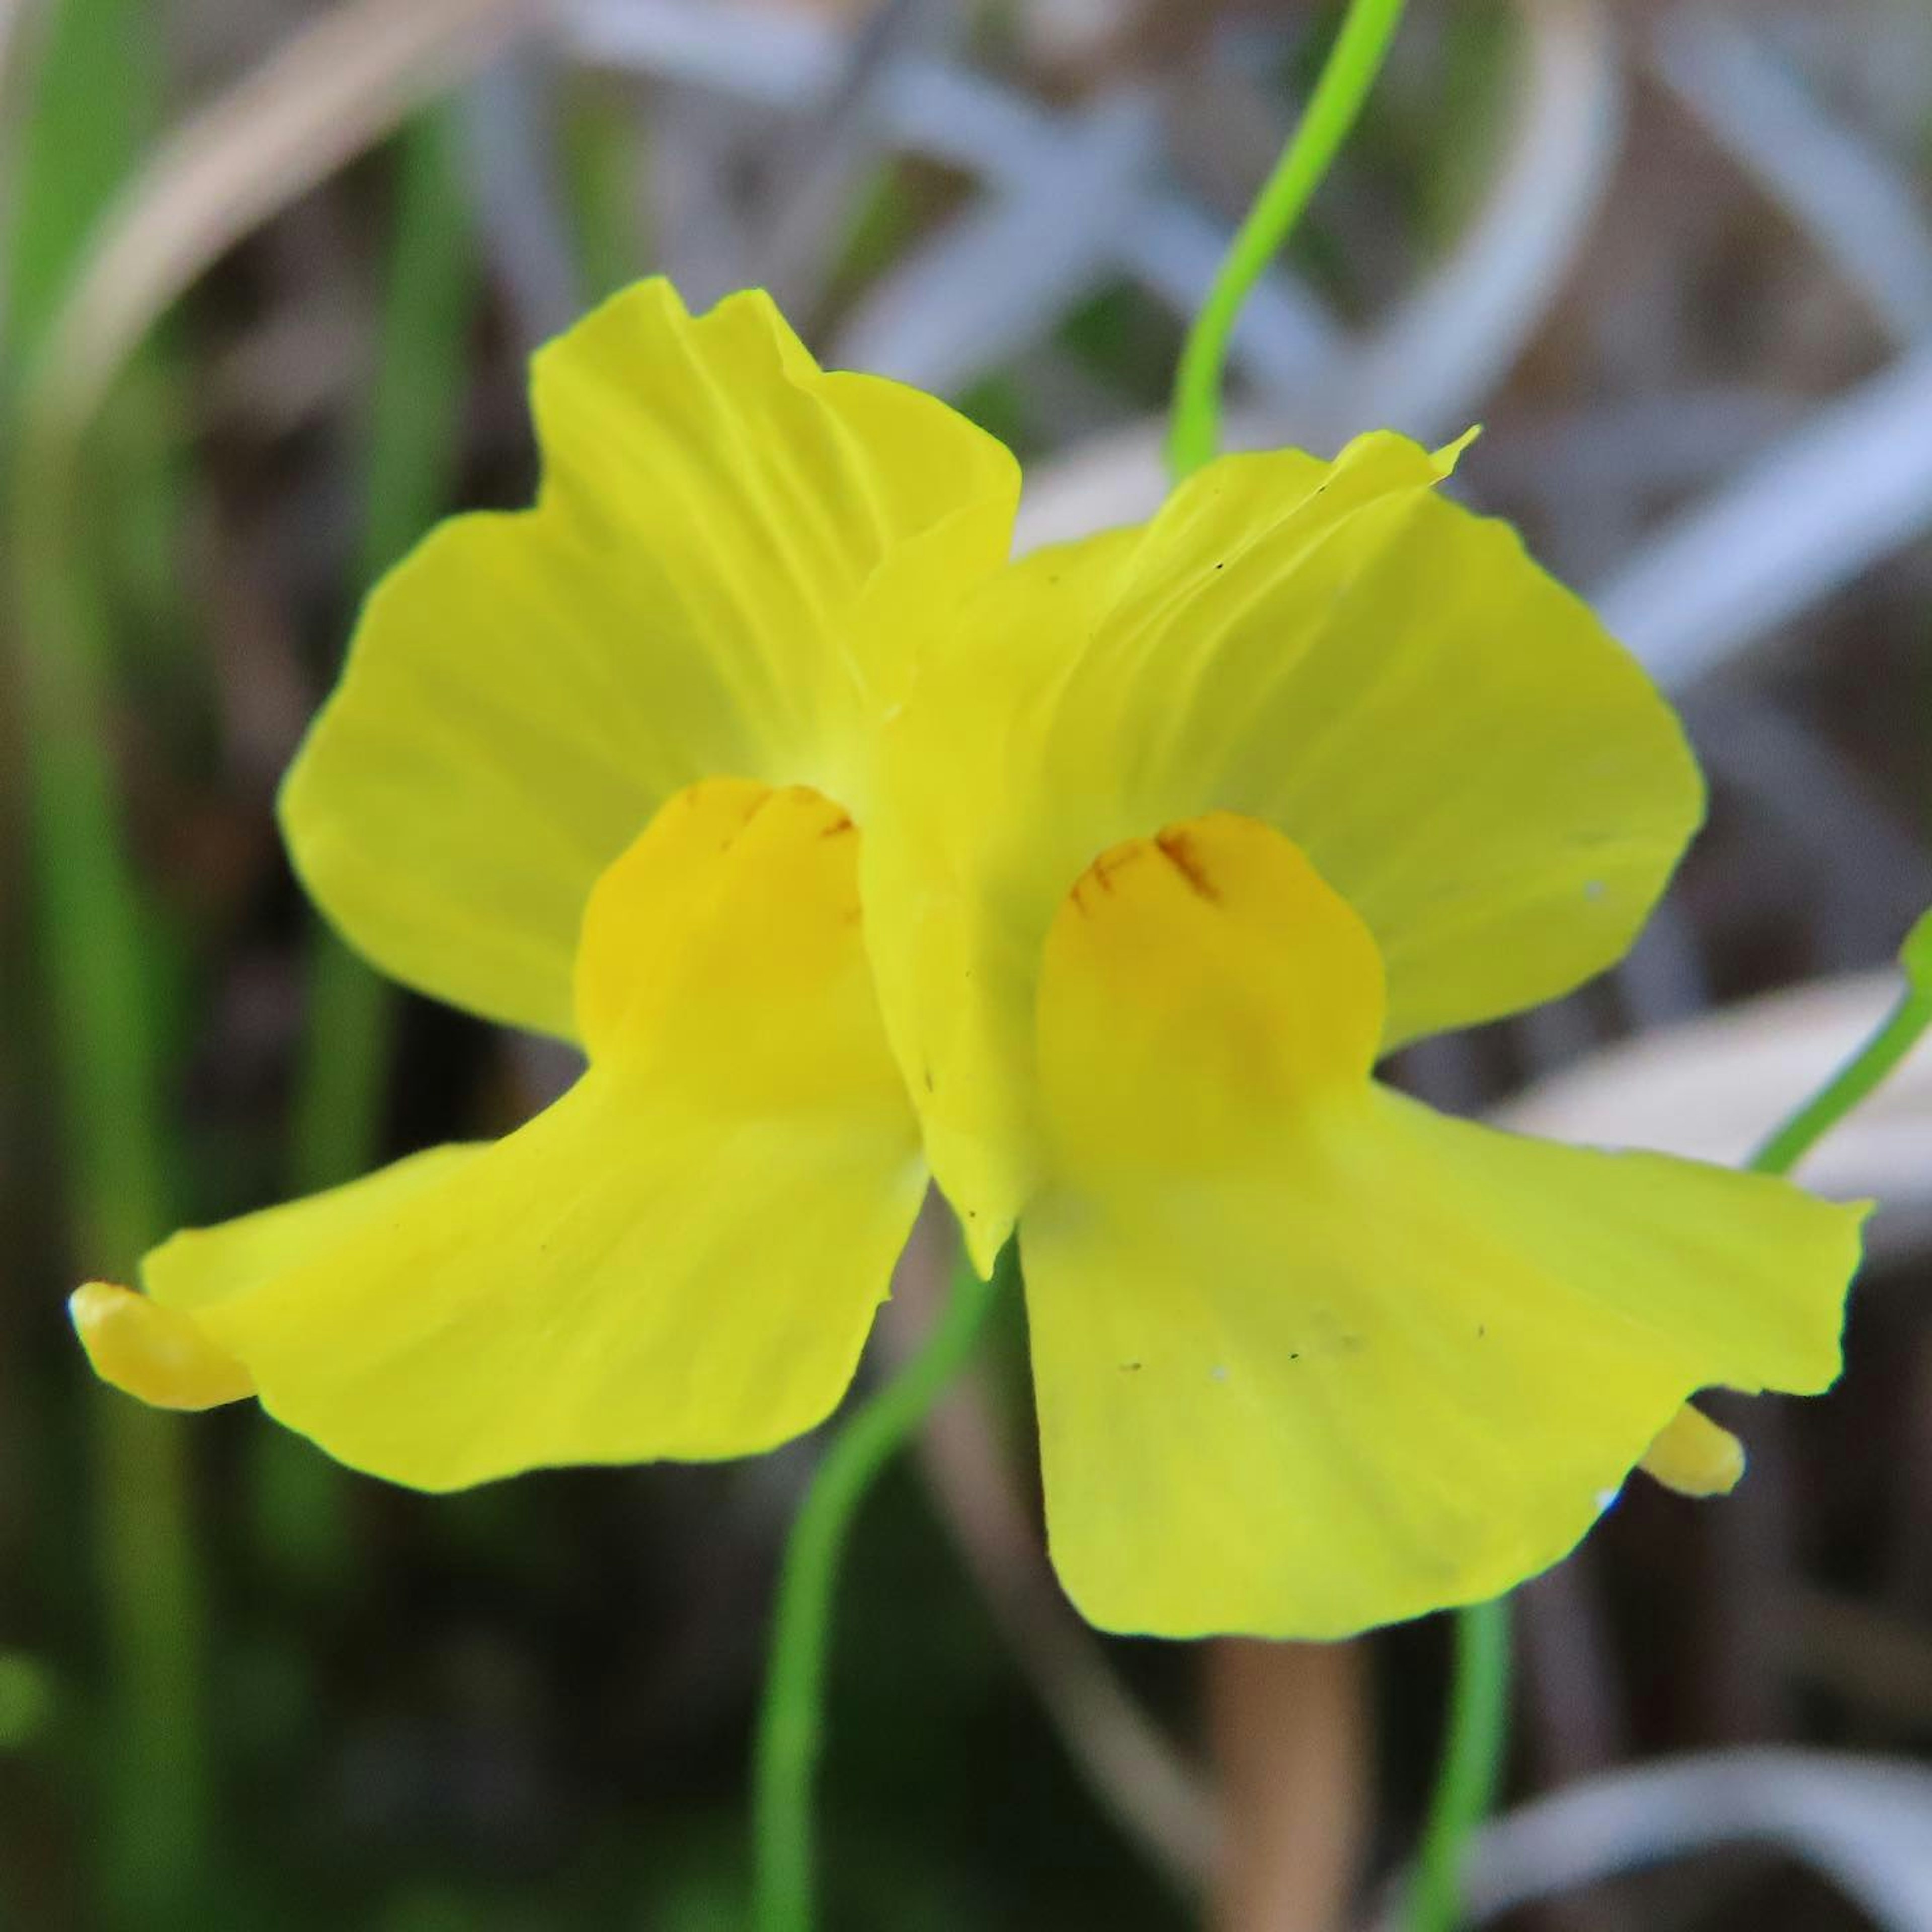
column 157, row 1354
column 1692, row 1455
column 983, row 1237
column 1446, row 458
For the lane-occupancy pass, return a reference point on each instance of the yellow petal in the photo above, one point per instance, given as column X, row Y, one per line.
column 1692, row 1455
column 1336, row 650
column 681, row 1257
column 1310, row 1357
column 150, row 1345
column 156, row 1353
column 525, row 690
column 199, row 1266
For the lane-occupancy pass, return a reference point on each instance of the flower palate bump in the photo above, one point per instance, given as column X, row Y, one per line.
column 1092, row 886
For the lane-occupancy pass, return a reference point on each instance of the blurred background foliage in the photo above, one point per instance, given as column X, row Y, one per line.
column 271, row 272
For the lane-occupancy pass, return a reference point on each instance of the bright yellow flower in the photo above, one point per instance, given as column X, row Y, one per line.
column 1161, row 840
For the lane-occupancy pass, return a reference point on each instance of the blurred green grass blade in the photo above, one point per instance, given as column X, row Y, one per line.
column 96, row 950
column 94, row 92
column 94, row 79
column 95, row 95
column 421, row 369
column 28, row 1701
column 602, row 170
column 411, row 449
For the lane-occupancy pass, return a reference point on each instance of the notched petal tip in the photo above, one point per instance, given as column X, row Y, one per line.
column 1692, row 1455
column 984, row 1238
column 157, row 1354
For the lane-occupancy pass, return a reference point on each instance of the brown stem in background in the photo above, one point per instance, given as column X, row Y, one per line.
column 1291, row 1731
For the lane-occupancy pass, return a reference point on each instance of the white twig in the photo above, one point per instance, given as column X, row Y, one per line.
column 1857, row 211
column 1448, row 348
column 1039, row 168
column 1712, row 1088
column 1851, row 486
column 510, row 159
column 1428, row 369
column 1865, row 1823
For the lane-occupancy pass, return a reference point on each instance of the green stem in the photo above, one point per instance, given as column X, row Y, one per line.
column 1872, row 1063
column 1194, row 435
column 791, row 1721
column 412, row 433
column 1466, row 1787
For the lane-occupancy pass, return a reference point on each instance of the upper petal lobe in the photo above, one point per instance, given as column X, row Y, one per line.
column 1336, row 650
column 686, row 599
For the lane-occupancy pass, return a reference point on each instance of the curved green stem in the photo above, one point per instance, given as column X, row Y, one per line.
column 790, row 1722
column 1872, row 1063
column 1195, row 432
column 1466, row 1787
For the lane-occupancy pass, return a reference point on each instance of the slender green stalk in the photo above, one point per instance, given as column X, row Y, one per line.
column 1871, row 1064
column 1466, row 1787
column 411, row 440
column 791, row 1721
column 1194, row 434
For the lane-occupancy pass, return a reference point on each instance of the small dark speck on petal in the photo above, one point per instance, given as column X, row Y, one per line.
column 1130, row 1366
